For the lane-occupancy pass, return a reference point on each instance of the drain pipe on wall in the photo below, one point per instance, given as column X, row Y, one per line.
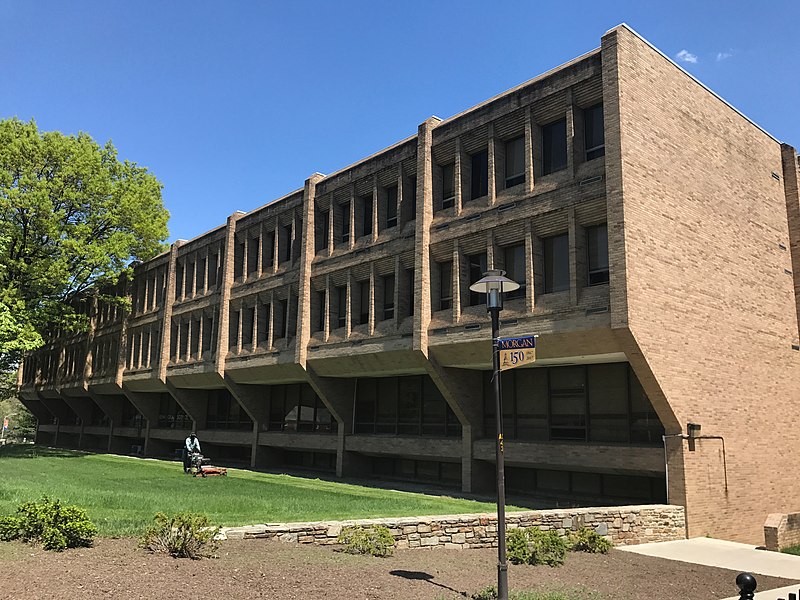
column 694, row 430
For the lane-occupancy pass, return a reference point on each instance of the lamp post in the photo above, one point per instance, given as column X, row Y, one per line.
column 494, row 283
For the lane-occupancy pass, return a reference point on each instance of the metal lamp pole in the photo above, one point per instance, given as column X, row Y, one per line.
column 493, row 284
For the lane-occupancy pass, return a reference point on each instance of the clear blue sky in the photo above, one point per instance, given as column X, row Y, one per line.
column 233, row 104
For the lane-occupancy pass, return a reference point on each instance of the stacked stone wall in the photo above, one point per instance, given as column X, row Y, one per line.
column 623, row 525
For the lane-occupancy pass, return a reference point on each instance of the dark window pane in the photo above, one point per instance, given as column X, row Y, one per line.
column 321, row 230
column 608, row 402
column 363, row 287
column 391, row 206
column 594, row 135
column 448, row 186
column 344, row 215
column 477, row 267
column 556, row 263
column 263, row 323
column 252, row 255
column 388, row 297
column 554, row 147
column 530, row 386
column 646, row 427
column 366, row 204
column 445, row 285
column 515, row 161
column 320, row 311
column 408, row 405
column 514, row 260
column 267, row 250
column 281, row 317
column 479, row 174
column 597, row 246
column 341, row 306
column 567, row 403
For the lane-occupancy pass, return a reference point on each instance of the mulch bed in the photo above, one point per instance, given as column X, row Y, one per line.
column 116, row 568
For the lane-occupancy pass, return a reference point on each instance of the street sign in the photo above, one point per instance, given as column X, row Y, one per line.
column 515, row 352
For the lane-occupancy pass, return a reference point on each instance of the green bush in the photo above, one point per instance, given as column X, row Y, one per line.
column 490, row 593
column 532, row 546
column 49, row 523
column 184, row 535
column 375, row 540
column 9, row 528
column 588, row 540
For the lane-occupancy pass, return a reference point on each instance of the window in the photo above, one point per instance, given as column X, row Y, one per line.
column 233, row 331
column 188, row 291
column 341, row 305
column 597, row 247
column 445, row 285
column 366, row 212
column 448, row 185
column 201, row 275
column 287, row 235
column 567, row 403
column 252, row 256
column 213, row 262
column 248, row 317
column 515, row 161
column 556, row 263
column 477, row 267
column 411, row 196
column 281, row 317
column 391, row 207
column 208, row 329
column 410, row 276
column 344, row 211
column 514, row 261
column 479, row 174
column 388, row 297
column 267, row 250
column 593, row 132
column 263, row 323
column 554, row 147
column 363, row 295
column 238, row 260
column 194, row 344
column 321, row 297
column 323, row 222
column 178, row 285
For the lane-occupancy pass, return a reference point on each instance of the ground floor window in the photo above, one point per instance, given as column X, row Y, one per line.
column 296, row 407
column 586, row 488
column 423, row 471
column 602, row 403
column 316, row 461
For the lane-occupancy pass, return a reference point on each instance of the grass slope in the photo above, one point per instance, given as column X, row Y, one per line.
column 122, row 494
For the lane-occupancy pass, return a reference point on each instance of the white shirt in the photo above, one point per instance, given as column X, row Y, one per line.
column 192, row 446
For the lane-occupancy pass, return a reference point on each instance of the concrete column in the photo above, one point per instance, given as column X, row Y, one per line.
column 348, row 327
column 570, row 134
column 351, row 241
column 529, row 144
column 326, row 333
column 458, row 175
column 307, row 249
column 530, row 290
column 271, row 317
column 456, row 282
column 371, row 318
column 331, row 225
column 491, row 171
column 573, row 257
column 463, row 391
column 166, row 319
column 338, row 395
column 194, row 402
column 422, row 256
column 227, row 258
column 375, row 208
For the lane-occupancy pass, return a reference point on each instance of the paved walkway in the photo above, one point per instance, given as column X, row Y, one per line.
column 728, row 555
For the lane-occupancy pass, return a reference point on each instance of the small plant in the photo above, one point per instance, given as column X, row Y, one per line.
column 532, row 546
column 375, row 540
column 487, row 593
column 49, row 523
column 588, row 540
column 789, row 550
column 185, row 535
column 490, row 593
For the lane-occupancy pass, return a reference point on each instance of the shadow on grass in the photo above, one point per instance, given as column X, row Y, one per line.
column 423, row 576
column 31, row 451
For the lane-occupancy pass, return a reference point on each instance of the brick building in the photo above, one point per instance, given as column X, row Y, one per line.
column 655, row 232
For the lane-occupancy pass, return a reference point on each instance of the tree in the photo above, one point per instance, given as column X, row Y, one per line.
column 72, row 217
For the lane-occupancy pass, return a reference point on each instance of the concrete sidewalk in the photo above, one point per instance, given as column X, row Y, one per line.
column 728, row 555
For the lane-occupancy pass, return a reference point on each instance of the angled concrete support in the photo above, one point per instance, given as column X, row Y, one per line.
column 193, row 402
column 254, row 399
column 462, row 389
column 339, row 396
column 147, row 405
column 36, row 408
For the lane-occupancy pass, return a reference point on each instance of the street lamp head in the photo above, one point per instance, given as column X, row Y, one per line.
column 494, row 283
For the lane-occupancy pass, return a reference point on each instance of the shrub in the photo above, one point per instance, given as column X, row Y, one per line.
column 533, row 546
column 490, row 593
column 184, row 535
column 9, row 528
column 588, row 540
column 375, row 540
column 49, row 523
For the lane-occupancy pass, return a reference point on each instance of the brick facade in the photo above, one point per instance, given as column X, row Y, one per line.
column 334, row 328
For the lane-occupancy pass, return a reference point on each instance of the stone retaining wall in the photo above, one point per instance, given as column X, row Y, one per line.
column 782, row 531
column 623, row 525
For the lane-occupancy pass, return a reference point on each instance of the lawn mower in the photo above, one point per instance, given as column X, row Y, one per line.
column 202, row 466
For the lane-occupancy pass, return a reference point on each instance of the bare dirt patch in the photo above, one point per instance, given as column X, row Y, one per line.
column 272, row 569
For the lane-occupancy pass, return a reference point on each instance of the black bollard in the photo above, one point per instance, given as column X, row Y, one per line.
column 747, row 585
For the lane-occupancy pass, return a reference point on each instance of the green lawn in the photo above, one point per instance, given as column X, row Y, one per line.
column 122, row 494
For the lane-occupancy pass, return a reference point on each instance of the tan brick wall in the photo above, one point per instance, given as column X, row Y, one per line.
column 782, row 531
column 710, row 296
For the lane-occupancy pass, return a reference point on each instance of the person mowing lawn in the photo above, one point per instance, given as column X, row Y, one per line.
column 191, row 446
